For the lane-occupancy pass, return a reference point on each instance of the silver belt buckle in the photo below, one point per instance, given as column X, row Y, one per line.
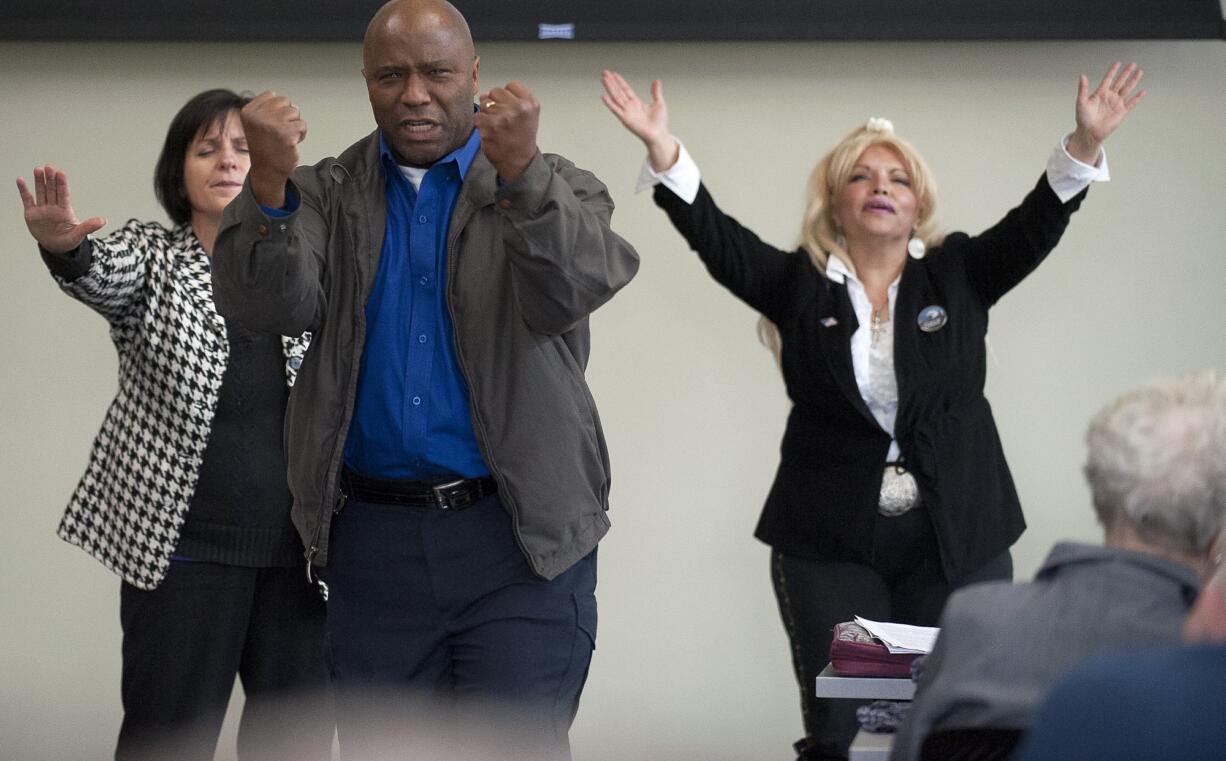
column 899, row 492
column 450, row 496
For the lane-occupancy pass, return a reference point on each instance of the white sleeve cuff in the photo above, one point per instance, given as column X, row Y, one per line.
column 682, row 177
column 1068, row 176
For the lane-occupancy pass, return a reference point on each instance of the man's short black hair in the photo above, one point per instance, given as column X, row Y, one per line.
column 199, row 113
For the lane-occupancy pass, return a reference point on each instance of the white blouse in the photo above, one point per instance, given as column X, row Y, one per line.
column 872, row 360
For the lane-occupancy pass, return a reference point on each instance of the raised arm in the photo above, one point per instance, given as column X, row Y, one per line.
column 49, row 215
column 1003, row 255
column 756, row 272
column 274, row 128
column 104, row 274
column 268, row 259
column 647, row 122
column 565, row 258
column 1100, row 112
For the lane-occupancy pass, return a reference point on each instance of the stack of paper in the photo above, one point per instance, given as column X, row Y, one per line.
column 902, row 638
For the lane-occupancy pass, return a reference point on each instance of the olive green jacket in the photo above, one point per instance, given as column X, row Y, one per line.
column 527, row 262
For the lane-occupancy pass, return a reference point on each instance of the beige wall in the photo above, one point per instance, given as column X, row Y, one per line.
column 692, row 661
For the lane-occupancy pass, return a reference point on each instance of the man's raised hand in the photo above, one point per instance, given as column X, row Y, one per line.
column 508, row 121
column 274, row 128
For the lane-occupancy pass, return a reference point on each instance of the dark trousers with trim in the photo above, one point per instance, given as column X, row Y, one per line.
column 443, row 643
column 183, row 644
column 904, row 584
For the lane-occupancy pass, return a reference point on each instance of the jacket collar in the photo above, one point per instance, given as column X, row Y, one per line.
column 1069, row 554
column 366, row 157
column 478, row 190
column 462, row 156
column 361, row 165
column 836, row 338
column 912, row 290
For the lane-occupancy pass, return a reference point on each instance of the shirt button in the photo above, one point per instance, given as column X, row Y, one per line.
column 295, row 362
column 417, row 401
column 421, row 339
column 505, row 203
column 424, row 280
column 422, row 219
column 262, row 231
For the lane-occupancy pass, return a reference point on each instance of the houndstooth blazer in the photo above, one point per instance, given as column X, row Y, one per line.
column 152, row 284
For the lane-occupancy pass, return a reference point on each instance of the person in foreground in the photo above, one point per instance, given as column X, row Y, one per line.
column 184, row 496
column 892, row 489
column 1156, row 467
column 449, row 471
column 1138, row 707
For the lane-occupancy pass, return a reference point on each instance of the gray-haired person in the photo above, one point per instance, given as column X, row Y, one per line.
column 1157, row 473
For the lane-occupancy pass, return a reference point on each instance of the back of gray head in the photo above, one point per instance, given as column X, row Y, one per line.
column 1157, row 459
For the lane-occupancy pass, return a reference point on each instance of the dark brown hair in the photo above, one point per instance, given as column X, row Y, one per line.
column 197, row 115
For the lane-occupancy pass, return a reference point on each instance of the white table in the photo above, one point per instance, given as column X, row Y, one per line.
column 830, row 685
column 868, row 746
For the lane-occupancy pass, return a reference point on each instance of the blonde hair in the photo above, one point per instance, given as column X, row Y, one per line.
column 819, row 232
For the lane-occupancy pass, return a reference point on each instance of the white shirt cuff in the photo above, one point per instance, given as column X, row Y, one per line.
column 1068, row 176
column 682, row 177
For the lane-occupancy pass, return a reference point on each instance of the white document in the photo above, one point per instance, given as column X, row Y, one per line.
column 902, row 638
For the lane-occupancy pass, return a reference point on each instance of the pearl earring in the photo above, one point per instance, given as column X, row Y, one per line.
column 916, row 248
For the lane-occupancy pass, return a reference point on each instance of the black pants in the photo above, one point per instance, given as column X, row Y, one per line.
column 183, row 644
column 904, row 584
column 443, row 643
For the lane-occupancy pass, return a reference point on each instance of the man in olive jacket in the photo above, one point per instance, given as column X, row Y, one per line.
column 447, row 462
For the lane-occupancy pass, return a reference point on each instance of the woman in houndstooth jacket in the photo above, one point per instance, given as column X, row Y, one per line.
column 184, row 496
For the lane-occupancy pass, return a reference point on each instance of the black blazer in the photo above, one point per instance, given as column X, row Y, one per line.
column 824, row 499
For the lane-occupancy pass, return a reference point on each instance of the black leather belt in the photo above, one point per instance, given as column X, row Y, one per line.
column 456, row 494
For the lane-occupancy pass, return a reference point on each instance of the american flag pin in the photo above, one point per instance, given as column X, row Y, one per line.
column 829, row 322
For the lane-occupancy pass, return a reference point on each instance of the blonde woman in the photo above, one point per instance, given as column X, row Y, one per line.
column 892, row 489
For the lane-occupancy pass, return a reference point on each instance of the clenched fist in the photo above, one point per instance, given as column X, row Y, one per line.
column 508, row 121
column 274, row 128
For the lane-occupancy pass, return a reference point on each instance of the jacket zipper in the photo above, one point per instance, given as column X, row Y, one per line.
column 340, row 498
column 478, row 425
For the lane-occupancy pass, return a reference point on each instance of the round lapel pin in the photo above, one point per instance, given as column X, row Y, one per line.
column 932, row 318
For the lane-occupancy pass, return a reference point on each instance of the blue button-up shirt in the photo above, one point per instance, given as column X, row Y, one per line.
column 412, row 418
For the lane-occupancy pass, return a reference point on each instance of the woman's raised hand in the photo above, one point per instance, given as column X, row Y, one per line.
column 48, row 212
column 648, row 122
column 1101, row 111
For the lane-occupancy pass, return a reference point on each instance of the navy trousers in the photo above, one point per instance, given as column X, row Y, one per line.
column 443, row 644
column 904, row 584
